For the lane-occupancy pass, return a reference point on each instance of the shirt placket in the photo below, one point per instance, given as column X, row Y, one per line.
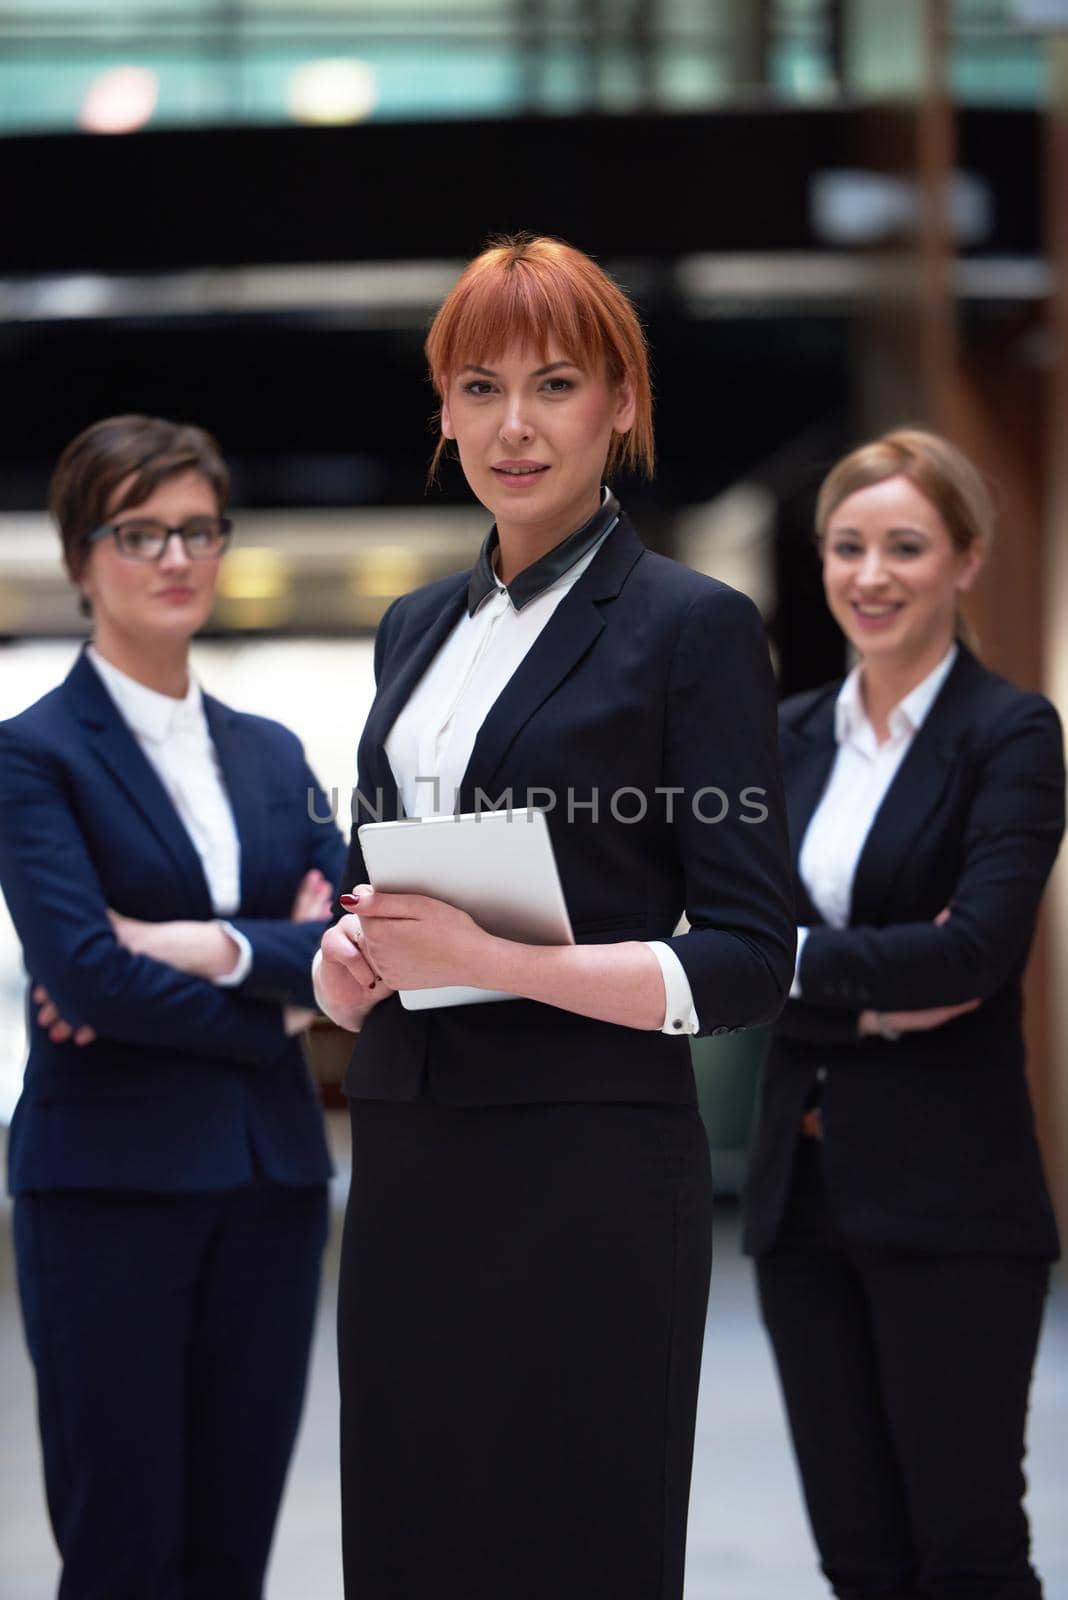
column 437, row 732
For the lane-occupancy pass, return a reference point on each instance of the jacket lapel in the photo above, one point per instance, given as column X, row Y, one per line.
column 808, row 755
column 916, row 790
column 243, row 779
column 127, row 763
column 395, row 694
column 577, row 621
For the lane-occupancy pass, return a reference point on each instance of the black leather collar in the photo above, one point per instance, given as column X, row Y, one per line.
column 535, row 579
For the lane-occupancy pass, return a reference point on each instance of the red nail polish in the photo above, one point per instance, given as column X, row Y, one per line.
column 349, row 901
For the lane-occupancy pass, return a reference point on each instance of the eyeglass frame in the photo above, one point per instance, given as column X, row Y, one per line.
column 115, row 531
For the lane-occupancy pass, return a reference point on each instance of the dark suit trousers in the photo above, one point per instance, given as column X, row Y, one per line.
column 906, row 1379
column 170, row 1337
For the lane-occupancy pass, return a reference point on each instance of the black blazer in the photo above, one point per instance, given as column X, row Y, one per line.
column 930, row 1139
column 648, row 677
column 188, row 1086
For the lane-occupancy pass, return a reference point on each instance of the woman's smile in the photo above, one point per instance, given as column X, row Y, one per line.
column 891, row 574
column 873, row 618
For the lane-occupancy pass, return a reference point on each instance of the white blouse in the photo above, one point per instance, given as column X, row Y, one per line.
column 862, row 773
column 430, row 743
column 175, row 738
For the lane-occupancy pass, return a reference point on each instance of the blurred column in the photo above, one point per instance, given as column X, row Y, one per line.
column 913, row 362
column 1056, row 568
column 893, row 62
column 936, row 155
column 747, row 24
column 644, row 42
column 836, row 40
column 590, row 14
column 530, row 28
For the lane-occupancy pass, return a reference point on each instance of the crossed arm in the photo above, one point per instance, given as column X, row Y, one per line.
column 919, row 975
column 94, row 978
column 199, row 949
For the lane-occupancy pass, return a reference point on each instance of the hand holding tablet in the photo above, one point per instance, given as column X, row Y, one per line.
column 498, row 866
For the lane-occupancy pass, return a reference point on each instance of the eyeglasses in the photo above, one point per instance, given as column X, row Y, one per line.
column 144, row 539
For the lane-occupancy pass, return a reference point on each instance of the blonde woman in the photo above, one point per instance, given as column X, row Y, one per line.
column 896, row 1203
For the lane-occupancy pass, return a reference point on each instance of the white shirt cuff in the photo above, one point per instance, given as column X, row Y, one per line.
column 242, row 966
column 679, row 1013
column 795, row 987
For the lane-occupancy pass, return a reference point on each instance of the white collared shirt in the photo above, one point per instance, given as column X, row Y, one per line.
column 175, row 738
column 862, row 773
column 430, row 744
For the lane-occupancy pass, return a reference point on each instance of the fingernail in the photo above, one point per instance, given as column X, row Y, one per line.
column 349, row 901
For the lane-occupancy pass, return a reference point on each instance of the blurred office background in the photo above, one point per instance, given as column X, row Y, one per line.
column 834, row 215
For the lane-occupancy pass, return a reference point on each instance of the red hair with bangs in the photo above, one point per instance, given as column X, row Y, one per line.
column 531, row 291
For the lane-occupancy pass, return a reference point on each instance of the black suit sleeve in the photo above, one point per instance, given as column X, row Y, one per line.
column 1011, row 840
column 721, row 750
column 355, row 869
column 801, row 1023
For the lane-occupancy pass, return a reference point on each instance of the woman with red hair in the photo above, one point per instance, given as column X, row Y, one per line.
column 528, row 1241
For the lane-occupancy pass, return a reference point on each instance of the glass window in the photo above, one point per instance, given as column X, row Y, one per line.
column 65, row 63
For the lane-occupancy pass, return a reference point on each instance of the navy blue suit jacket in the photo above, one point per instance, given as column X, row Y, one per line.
column 930, row 1139
column 650, row 688
column 188, row 1086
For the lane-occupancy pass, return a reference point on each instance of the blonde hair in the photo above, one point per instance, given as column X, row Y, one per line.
column 529, row 291
column 943, row 474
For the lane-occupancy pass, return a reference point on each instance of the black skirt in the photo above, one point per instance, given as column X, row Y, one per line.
column 522, row 1307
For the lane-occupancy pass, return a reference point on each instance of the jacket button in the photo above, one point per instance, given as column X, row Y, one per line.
column 821, row 1075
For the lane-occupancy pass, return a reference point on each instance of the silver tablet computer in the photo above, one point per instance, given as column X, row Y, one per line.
column 498, row 866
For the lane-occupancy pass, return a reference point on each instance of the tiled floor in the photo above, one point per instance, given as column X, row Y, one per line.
column 748, row 1539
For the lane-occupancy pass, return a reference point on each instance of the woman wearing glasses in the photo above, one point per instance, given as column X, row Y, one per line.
column 169, row 884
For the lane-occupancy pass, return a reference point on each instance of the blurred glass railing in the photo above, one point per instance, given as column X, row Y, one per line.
column 69, row 64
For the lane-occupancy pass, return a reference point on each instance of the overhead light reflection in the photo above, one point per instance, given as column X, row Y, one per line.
column 332, row 91
column 121, row 100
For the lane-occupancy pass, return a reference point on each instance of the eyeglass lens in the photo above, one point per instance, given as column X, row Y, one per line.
column 146, row 540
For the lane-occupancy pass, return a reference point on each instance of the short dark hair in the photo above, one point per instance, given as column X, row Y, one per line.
column 143, row 450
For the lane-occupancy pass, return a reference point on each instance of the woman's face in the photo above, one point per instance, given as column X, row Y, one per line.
column 154, row 601
column 892, row 574
column 533, row 436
